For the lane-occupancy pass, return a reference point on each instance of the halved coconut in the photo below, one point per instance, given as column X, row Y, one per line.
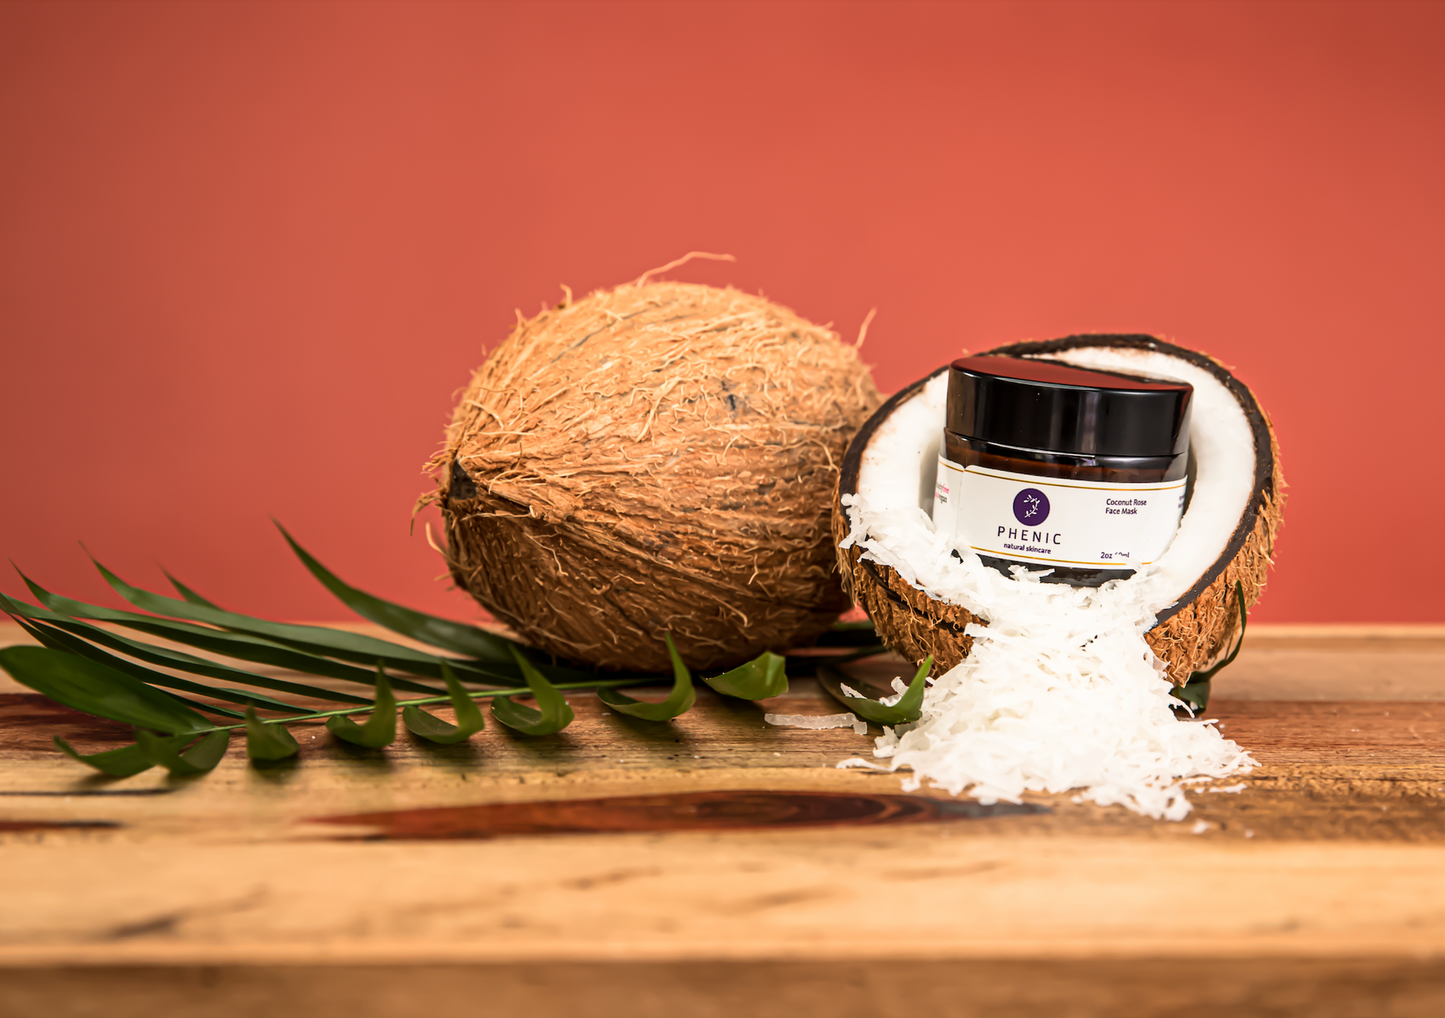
column 1226, row 536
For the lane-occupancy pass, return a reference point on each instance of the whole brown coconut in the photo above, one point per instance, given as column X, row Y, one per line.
column 1194, row 632
column 657, row 458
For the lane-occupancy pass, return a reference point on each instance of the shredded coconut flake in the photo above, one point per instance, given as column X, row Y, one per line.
column 1059, row 692
column 858, row 761
column 899, row 688
column 815, row 721
column 1231, row 788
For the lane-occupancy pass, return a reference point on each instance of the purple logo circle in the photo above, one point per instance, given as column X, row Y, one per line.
column 1031, row 507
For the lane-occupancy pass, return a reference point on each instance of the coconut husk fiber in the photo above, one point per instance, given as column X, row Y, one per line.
column 655, row 458
column 1189, row 636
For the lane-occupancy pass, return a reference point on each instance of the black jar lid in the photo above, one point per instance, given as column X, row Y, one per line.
column 1045, row 405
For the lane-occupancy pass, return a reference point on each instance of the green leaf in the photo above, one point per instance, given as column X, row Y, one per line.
column 98, row 689
column 117, row 763
column 380, row 728
column 220, row 641
column 189, row 594
column 332, row 642
column 553, row 713
column 199, row 759
column 57, row 640
column 439, row 632
column 764, row 676
column 61, row 637
column 470, row 719
column 251, row 648
column 1196, row 691
column 284, row 647
column 184, row 662
column 1205, row 676
column 268, row 741
column 908, row 708
column 680, row 701
column 1196, row 694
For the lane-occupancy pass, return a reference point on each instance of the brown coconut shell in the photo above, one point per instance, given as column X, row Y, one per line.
column 1190, row 634
column 652, row 459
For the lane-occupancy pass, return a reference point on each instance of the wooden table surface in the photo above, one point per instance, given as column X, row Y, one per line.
column 738, row 871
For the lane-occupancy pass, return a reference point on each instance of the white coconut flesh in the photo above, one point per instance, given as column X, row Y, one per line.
column 1060, row 691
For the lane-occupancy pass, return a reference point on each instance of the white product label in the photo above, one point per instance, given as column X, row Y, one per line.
column 1049, row 521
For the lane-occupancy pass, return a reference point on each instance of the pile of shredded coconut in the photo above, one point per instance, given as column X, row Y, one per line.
column 1059, row 692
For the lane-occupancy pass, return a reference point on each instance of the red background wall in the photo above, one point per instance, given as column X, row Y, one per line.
column 248, row 252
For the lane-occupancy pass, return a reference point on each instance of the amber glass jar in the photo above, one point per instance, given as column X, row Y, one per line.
column 1049, row 466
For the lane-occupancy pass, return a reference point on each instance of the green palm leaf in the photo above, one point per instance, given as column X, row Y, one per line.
column 908, row 708
column 62, row 637
column 97, row 689
column 199, row 759
column 321, row 640
column 380, row 728
column 116, row 763
column 247, row 647
column 764, row 676
column 50, row 637
column 470, row 719
column 189, row 594
column 679, row 701
column 1195, row 692
column 268, row 741
column 439, row 632
column 553, row 713
column 332, row 642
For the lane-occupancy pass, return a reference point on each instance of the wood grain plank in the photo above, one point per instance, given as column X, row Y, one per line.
column 895, row 988
column 1320, row 885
